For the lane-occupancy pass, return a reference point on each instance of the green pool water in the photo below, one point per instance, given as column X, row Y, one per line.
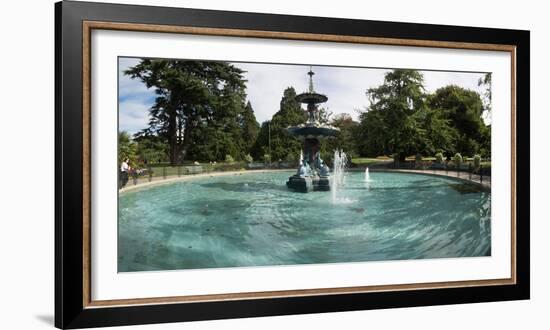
column 253, row 220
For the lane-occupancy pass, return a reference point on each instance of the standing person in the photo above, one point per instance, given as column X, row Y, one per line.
column 124, row 170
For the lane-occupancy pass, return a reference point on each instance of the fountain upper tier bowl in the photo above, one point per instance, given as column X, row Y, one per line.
column 311, row 98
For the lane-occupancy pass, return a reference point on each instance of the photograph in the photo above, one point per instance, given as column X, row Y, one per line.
column 247, row 164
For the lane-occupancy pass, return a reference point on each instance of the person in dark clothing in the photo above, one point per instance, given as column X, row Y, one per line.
column 124, row 170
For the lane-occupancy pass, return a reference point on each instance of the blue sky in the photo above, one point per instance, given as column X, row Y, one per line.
column 344, row 86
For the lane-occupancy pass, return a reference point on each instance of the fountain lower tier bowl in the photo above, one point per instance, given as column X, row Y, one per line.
column 308, row 183
column 310, row 132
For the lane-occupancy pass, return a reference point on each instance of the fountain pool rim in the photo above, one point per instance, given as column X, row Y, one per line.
column 173, row 180
column 168, row 181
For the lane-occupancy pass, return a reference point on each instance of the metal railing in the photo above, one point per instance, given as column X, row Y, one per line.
column 144, row 174
column 466, row 170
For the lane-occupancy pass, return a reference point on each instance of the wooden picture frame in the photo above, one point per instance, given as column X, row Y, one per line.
column 74, row 307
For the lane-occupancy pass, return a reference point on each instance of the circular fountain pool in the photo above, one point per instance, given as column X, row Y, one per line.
column 252, row 219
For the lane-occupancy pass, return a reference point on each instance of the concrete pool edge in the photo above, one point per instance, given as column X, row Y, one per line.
column 169, row 180
column 438, row 173
column 174, row 179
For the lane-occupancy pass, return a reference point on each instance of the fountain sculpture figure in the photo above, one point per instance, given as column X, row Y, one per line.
column 313, row 173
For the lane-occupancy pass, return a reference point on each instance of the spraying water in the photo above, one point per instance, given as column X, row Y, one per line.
column 340, row 160
column 367, row 177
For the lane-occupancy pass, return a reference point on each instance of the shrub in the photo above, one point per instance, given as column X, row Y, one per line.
column 328, row 158
column 291, row 157
column 229, row 159
column 267, row 158
column 439, row 157
column 351, row 154
column 458, row 158
column 477, row 161
column 248, row 158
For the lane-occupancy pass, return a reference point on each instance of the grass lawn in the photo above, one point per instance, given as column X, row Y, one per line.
column 368, row 161
column 426, row 159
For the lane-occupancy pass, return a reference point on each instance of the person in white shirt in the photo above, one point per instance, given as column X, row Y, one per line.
column 124, row 169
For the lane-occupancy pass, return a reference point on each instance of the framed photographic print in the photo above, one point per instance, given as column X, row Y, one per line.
column 218, row 164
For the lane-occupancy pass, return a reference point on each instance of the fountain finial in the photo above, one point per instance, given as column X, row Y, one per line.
column 311, row 73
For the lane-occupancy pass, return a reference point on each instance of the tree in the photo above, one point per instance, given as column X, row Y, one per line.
column 438, row 135
column 346, row 137
column 371, row 135
column 324, row 115
column 486, row 82
column 190, row 95
column 463, row 109
column 151, row 148
column 390, row 125
column 126, row 148
column 249, row 127
column 274, row 133
column 226, row 120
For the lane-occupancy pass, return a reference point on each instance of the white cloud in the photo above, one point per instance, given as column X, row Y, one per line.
column 266, row 83
column 133, row 116
column 345, row 87
column 437, row 79
column 129, row 87
column 135, row 99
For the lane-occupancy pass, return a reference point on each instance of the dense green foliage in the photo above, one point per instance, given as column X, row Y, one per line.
column 200, row 109
column 457, row 158
column 249, row 126
column 439, row 157
column 463, row 109
column 345, row 140
column 392, row 123
column 404, row 120
column 283, row 146
column 487, row 94
column 126, row 148
column 477, row 161
column 248, row 158
column 151, row 148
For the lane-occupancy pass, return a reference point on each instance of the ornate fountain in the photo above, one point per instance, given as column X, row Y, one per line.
column 313, row 174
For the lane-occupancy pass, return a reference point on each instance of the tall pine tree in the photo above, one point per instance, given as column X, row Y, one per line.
column 390, row 124
column 249, row 128
column 192, row 94
column 274, row 135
